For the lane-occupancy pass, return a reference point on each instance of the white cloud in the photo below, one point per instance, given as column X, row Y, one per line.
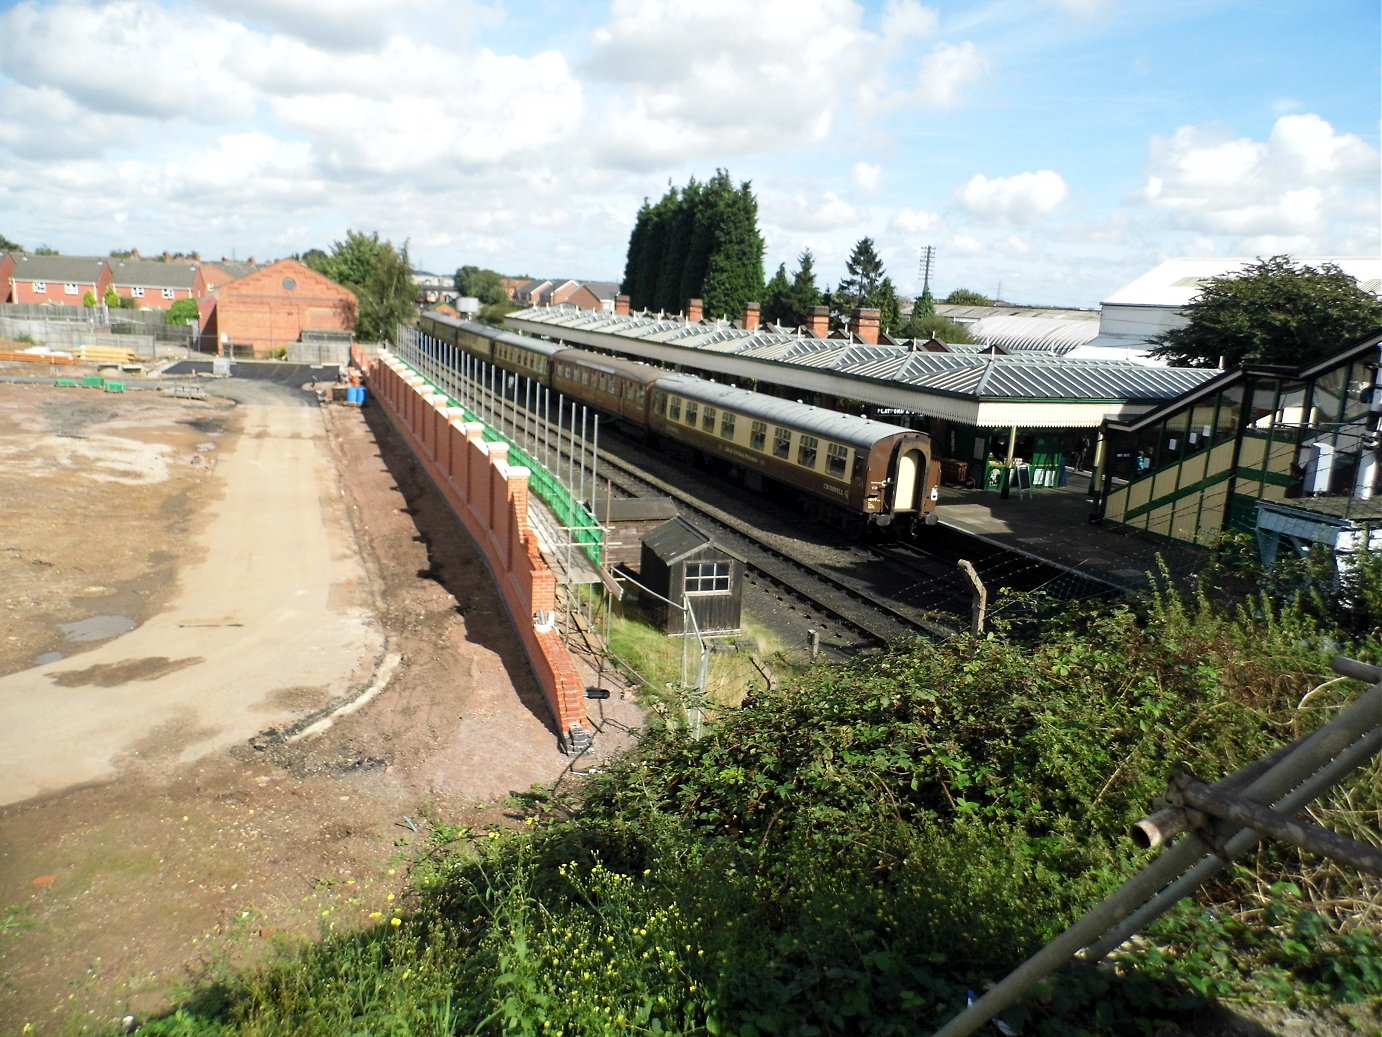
column 89, row 52
column 1022, row 199
column 798, row 212
column 1305, row 183
column 903, row 19
column 868, row 177
column 947, row 70
column 913, row 221
column 967, row 245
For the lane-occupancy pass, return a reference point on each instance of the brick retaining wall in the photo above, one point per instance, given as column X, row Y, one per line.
column 490, row 497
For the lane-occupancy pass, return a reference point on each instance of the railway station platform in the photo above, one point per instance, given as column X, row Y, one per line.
column 1052, row 525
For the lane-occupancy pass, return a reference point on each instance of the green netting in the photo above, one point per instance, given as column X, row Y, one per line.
column 571, row 513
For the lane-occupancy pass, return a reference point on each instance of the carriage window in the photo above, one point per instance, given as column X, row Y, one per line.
column 836, row 460
column 782, row 443
column 806, row 452
column 706, row 578
column 758, row 435
column 727, row 424
column 708, row 419
column 691, row 409
column 675, row 412
column 660, row 402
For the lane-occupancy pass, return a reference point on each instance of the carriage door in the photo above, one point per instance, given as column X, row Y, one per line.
column 908, row 478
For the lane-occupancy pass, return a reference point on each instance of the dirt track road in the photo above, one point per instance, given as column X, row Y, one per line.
column 278, row 592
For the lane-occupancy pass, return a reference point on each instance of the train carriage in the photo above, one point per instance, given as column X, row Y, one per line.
column 868, row 468
column 620, row 388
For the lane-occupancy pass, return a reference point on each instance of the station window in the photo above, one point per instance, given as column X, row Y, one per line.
column 836, row 460
column 674, row 413
column 727, row 424
column 782, row 443
column 758, row 435
column 708, row 420
column 706, row 578
column 806, row 451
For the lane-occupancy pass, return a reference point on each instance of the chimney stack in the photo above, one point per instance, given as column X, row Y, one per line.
column 751, row 313
column 863, row 325
column 621, row 305
column 694, row 309
column 818, row 323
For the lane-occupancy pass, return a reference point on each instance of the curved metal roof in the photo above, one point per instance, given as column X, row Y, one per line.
column 817, row 421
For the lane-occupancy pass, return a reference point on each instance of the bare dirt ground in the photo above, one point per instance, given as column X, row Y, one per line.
column 201, row 842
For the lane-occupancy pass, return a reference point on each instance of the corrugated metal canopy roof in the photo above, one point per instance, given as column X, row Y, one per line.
column 1027, row 377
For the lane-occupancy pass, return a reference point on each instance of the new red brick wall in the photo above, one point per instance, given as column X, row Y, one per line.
column 491, row 499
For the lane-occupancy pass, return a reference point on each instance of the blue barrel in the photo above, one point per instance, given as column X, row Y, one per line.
column 360, row 396
column 354, row 394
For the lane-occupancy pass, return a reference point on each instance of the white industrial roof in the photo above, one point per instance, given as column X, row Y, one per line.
column 1176, row 282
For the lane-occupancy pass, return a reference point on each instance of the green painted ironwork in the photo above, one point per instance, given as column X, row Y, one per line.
column 569, row 512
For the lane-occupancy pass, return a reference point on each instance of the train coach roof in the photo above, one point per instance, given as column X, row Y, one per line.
column 512, row 338
column 629, row 369
column 818, row 421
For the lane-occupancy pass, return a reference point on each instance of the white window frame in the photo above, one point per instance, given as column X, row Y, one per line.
column 136, row 293
column 40, row 287
column 170, row 293
column 69, row 288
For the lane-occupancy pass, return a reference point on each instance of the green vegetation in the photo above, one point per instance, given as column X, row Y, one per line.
column 1273, row 312
column 381, row 277
column 181, row 312
column 967, row 297
column 853, row 852
column 866, row 284
column 698, row 242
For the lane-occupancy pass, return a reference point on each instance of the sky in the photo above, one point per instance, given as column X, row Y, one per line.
column 1049, row 151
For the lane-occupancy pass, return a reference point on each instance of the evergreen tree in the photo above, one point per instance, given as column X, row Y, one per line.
column 735, row 275
column 777, row 298
column 702, row 242
column 804, row 295
column 889, row 309
column 861, row 285
column 966, row 297
column 632, row 284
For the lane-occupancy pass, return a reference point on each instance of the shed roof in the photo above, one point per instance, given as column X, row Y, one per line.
column 677, row 539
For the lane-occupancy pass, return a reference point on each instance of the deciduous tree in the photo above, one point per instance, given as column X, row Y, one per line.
column 1272, row 312
column 381, row 277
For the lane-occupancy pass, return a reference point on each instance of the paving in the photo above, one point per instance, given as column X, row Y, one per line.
column 1054, row 525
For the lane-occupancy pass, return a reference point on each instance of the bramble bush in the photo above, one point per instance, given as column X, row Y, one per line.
column 854, row 853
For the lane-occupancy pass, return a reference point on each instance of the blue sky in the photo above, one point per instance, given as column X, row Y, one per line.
column 1052, row 150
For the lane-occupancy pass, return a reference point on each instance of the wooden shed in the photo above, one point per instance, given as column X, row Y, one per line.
column 684, row 565
column 629, row 520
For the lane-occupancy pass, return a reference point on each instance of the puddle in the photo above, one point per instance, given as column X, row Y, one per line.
column 49, row 657
column 97, row 628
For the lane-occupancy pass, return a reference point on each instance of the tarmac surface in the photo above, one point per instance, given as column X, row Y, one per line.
column 1053, row 525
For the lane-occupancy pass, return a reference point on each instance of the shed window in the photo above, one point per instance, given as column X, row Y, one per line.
column 836, row 460
column 691, row 410
column 806, row 451
column 782, row 443
column 708, row 420
column 706, row 578
column 758, row 435
column 675, row 410
column 727, row 424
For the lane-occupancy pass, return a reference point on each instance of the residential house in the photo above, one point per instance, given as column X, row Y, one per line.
column 59, row 280
column 155, row 284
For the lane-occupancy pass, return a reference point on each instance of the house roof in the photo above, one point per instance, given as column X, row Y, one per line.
column 148, row 273
column 77, row 269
